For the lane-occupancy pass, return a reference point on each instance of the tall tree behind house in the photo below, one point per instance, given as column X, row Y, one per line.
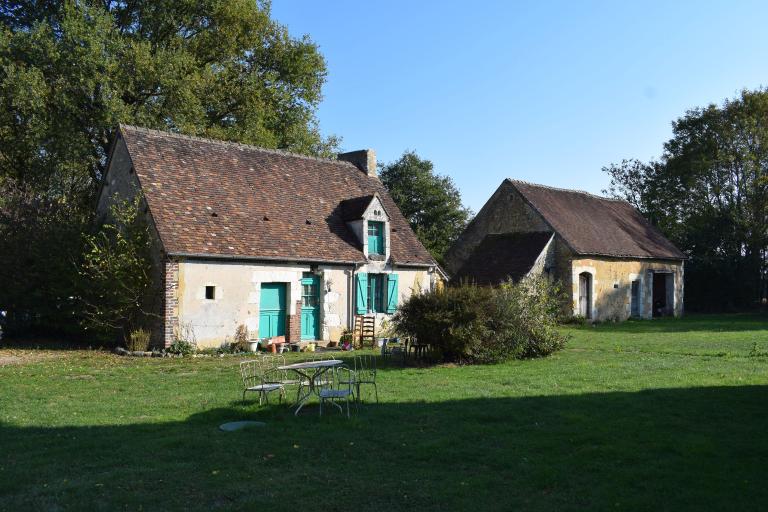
column 430, row 202
column 709, row 193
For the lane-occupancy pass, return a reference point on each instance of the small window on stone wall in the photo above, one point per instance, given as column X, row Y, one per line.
column 210, row 292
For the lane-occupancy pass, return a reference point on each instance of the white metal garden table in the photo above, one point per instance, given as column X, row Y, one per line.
column 311, row 371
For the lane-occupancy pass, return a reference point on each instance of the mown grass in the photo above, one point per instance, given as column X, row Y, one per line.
column 665, row 415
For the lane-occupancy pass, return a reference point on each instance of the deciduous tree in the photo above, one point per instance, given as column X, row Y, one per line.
column 70, row 71
column 430, row 202
column 709, row 194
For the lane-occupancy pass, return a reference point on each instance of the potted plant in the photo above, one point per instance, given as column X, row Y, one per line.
column 346, row 339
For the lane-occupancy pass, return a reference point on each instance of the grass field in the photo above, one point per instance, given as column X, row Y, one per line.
column 661, row 415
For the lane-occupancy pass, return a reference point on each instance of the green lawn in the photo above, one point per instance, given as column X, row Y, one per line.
column 662, row 415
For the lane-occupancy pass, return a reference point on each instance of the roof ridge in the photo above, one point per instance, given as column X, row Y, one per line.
column 197, row 138
column 521, row 233
column 561, row 189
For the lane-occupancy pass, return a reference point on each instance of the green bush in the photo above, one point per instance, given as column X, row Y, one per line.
column 116, row 287
column 138, row 340
column 181, row 347
column 474, row 324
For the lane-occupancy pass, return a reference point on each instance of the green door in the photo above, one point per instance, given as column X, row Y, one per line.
column 310, row 307
column 272, row 310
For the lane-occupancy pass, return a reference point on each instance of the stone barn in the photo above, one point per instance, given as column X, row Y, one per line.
column 285, row 244
column 613, row 263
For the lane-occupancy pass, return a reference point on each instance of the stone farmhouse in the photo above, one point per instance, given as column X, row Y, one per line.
column 612, row 262
column 285, row 244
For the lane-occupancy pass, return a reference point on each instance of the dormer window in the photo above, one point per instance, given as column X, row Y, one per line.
column 376, row 237
column 367, row 218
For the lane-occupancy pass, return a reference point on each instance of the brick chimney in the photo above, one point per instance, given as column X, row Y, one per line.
column 363, row 159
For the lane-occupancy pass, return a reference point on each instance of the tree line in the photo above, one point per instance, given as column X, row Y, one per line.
column 708, row 193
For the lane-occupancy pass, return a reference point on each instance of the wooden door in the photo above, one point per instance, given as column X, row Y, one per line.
column 310, row 307
column 272, row 310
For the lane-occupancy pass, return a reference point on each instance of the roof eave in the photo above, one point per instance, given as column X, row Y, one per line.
column 273, row 259
column 631, row 256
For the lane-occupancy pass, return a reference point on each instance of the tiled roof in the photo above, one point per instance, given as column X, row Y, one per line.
column 222, row 199
column 593, row 225
column 504, row 256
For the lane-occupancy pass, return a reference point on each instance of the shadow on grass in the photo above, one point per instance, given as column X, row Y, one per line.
column 689, row 323
column 44, row 343
column 666, row 449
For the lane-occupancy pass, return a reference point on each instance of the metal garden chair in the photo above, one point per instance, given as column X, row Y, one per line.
column 365, row 373
column 322, row 357
column 256, row 378
column 334, row 387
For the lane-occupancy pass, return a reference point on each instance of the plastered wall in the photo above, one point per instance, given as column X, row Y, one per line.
column 238, row 287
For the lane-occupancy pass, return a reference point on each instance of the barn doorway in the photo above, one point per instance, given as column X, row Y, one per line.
column 585, row 295
column 662, row 302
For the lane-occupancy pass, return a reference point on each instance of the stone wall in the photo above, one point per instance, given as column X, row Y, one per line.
column 170, row 303
column 334, row 301
column 611, row 285
column 120, row 181
column 505, row 212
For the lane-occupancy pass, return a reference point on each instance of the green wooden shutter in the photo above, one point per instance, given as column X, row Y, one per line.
column 391, row 293
column 361, row 279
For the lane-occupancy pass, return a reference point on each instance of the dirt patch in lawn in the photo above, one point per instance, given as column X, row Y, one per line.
column 16, row 357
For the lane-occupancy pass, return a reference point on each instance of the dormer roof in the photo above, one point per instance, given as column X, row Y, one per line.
column 356, row 208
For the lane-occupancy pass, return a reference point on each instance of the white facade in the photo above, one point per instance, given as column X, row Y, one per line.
column 237, row 295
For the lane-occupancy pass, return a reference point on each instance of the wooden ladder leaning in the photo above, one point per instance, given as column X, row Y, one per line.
column 365, row 329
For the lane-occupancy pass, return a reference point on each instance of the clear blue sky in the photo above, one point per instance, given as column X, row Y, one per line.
column 548, row 92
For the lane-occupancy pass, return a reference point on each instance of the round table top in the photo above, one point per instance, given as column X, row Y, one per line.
column 311, row 364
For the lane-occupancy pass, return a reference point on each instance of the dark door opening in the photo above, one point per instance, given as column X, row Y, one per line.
column 659, row 294
column 635, row 299
column 585, row 295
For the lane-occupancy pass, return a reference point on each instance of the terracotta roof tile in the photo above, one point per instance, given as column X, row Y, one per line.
column 593, row 225
column 225, row 199
column 503, row 256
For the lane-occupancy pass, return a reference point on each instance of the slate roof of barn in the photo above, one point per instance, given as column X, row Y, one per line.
column 211, row 198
